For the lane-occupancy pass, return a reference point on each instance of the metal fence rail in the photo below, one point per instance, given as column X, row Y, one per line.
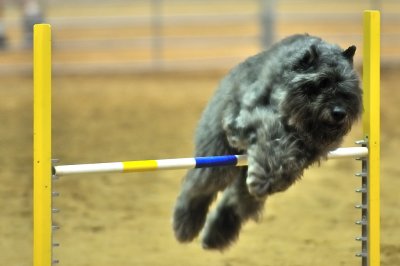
column 161, row 38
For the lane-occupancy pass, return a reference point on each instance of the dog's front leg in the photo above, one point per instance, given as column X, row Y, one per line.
column 273, row 166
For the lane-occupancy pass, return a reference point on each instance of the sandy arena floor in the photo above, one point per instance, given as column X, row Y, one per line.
column 126, row 219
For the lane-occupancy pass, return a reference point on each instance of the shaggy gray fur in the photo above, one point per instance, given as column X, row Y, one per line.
column 285, row 108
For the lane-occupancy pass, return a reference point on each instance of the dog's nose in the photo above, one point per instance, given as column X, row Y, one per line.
column 338, row 113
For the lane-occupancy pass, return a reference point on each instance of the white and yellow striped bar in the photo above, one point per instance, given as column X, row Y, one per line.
column 350, row 152
column 181, row 163
column 151, row 165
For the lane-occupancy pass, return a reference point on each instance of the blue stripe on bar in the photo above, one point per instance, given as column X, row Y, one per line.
column 215, row 161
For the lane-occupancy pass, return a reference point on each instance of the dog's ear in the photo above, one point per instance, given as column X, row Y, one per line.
column 309, row 57
column 349, row 53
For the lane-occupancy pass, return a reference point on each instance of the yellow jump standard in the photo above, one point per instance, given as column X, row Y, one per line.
column 42, row 187
column 370, row 219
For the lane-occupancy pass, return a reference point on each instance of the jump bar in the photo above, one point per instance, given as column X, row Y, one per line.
column 181, row 163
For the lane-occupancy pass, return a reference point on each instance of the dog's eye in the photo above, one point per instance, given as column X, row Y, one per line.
column 346, row 96
column 325, row 82
column 313, row 89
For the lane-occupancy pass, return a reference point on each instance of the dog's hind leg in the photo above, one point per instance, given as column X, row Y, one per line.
column 198, row 191
column 236, row 207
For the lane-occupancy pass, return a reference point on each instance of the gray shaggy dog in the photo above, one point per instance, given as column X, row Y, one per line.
column 286, row 108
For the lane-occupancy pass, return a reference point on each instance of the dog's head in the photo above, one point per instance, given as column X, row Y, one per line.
column 323, row 92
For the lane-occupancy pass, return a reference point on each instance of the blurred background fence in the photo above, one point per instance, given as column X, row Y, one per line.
column 186, row 35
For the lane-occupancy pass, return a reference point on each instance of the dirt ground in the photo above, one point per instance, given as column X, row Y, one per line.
column 126, row 219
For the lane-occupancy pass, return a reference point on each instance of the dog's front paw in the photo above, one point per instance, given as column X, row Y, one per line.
column 189, row 217
column 257, row 186
column 186, row 224
column 222, row 228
